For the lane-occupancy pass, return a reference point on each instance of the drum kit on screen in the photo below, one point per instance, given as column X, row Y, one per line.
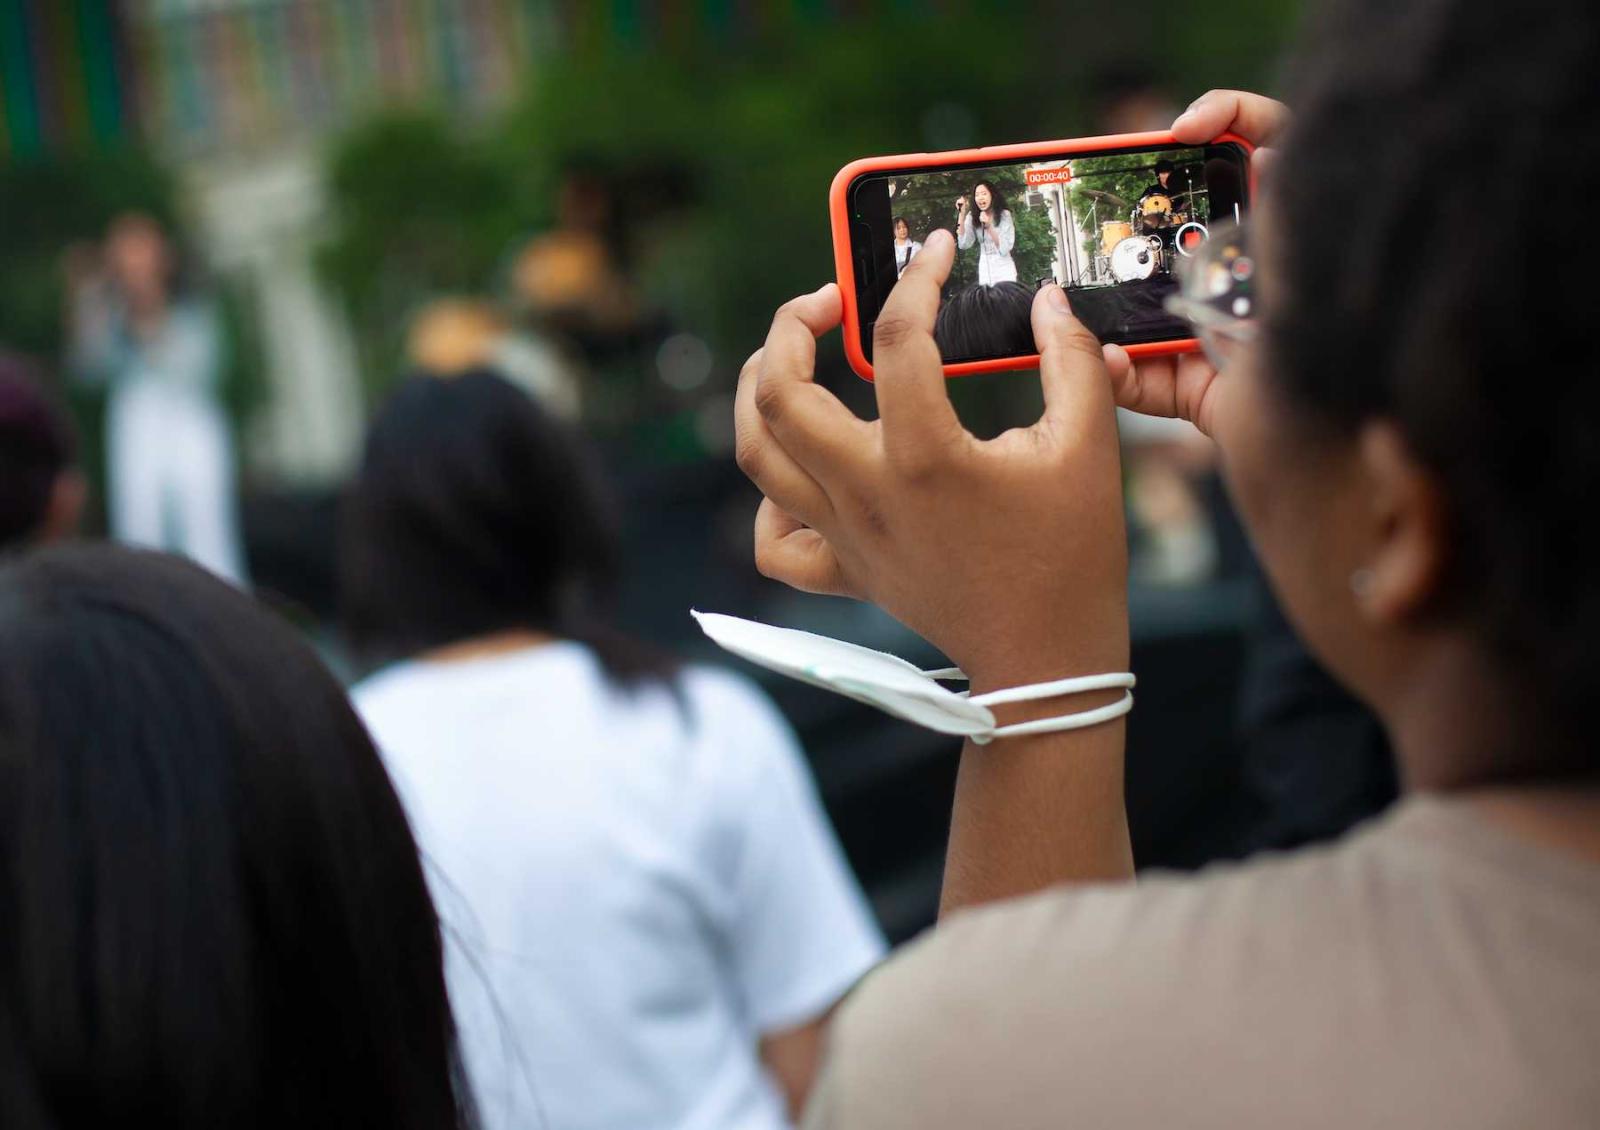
column 1150, row 240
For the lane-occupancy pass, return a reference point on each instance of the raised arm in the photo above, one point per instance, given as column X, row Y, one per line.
column 1008, row 554
column 964, row 231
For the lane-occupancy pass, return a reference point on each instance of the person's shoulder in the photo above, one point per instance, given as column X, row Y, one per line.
column 985, row 1013
column 725, row 697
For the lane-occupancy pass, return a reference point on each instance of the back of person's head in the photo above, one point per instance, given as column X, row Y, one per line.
column 986, row 321
column 1434, row 271
column 214, row 913
column 40, row 492
column 476, row 512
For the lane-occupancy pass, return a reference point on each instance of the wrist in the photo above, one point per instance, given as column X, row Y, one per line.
column 1003, row 663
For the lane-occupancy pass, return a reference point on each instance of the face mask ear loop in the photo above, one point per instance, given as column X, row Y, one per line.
column 1056, row 689
column 1078, row 721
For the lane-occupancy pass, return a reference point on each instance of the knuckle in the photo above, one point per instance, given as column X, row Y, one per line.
column 893, row 331
column 748, row 455
column 1075, row 337
column 772, row 400
column 767, row 559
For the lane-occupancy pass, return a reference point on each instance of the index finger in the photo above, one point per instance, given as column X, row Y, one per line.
column 908, row 373
column 1252, row 116
column 808, row 420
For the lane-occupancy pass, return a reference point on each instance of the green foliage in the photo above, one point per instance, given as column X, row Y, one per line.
column 420, row 209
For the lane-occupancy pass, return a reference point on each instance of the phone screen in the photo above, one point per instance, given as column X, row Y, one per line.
column 1111, row 226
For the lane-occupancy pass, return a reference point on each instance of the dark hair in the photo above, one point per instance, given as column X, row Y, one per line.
column 1165, row 166
column 898, row 220
column 1424, row 306
column 986, row 321
column 35, row 450
column 997, row 201
column 475, row 512
column 214, row 910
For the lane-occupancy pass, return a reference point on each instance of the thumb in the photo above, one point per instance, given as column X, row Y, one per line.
column 1072, row 368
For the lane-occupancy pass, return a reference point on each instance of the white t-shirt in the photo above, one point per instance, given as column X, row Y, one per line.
column 634, row 889
column 903, row 254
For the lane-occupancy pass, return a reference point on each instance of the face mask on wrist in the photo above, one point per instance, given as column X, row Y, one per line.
column 900, row 688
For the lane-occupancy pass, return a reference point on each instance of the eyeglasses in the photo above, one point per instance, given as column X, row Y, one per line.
column 1216, row 293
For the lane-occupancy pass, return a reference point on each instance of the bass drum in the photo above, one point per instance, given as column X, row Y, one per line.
column 1136, row 259
column 1113, row 232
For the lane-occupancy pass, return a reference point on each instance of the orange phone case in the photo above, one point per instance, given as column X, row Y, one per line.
column 839, row 209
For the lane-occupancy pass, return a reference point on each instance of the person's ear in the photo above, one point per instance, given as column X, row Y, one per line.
column 64, row 511
column 1410, row 529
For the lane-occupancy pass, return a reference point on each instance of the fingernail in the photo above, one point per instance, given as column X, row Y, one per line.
column 1058, row 298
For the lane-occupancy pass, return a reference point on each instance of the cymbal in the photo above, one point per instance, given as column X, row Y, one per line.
column 1099, row 193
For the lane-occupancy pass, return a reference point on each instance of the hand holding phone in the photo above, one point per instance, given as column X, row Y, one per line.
column 917, row 515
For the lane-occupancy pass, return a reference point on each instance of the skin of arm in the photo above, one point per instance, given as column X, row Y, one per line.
column 793, row 1056
column 964, row 230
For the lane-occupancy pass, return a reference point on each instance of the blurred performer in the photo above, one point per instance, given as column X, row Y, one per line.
column 157, row 351
column 993, row 231
column 905, row 248
column 41, row 491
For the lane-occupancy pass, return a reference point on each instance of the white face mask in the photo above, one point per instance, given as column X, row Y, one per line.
column 899, row 688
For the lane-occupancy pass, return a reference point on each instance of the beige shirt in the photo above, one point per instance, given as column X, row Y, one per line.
column 1430, row 970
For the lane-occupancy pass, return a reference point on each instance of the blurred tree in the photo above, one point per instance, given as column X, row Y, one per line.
column 420, row 209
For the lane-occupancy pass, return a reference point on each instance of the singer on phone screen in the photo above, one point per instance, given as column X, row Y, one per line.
column 987, row 222
column 905, row 248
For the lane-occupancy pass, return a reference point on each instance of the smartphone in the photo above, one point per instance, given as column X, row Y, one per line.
column 1110, row 219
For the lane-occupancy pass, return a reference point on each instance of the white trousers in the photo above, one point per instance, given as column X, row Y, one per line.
column 170, row 475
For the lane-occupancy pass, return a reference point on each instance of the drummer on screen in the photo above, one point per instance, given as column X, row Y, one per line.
column 1164, row 186
column 991, row 229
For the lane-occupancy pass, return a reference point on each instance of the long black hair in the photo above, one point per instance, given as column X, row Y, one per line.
column 475, row 512
column 213, row 909
column 997, row 204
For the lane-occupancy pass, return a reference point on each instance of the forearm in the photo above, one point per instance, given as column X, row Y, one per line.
column 1032, row 812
